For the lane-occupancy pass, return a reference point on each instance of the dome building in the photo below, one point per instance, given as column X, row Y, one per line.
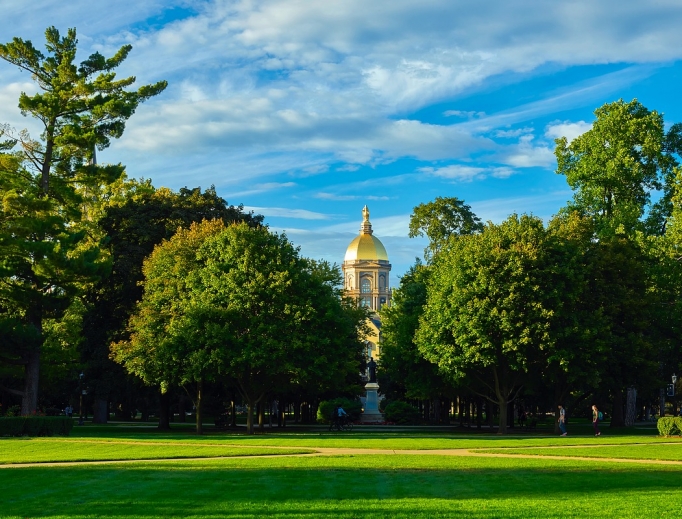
column 366, row 278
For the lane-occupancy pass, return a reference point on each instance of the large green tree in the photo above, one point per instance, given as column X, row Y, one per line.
column 615, row 167
column 135, row 219
column 623, row 174
column 404, row 372
column 49, row 254
column 440, row 219
column 489, row 308
column 238, row 303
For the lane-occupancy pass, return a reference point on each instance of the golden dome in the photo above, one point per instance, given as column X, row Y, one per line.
column 366, row 246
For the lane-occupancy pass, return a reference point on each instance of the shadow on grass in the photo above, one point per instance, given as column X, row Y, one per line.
column 321, row 487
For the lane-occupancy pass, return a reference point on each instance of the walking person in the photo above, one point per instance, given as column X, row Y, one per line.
column 595, row 420
column 562, row 420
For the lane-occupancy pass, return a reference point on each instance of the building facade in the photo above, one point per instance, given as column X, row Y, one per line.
column 366, row 278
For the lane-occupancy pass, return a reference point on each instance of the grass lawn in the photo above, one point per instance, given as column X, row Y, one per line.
column 645, row 452
column 365, row 485
column 344, row 486
column 39, row 450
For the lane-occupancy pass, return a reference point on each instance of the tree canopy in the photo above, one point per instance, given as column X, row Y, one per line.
column 48, row 253
column 238, row 302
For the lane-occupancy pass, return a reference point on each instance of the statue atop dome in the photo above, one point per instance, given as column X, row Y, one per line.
column 366, row 268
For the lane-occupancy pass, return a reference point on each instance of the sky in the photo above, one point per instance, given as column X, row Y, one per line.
column 305, row 111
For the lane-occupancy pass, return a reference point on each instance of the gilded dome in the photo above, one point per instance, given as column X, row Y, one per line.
column 366, row 246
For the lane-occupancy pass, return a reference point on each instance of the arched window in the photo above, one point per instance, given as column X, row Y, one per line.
column 365, row 286
column 382, row 281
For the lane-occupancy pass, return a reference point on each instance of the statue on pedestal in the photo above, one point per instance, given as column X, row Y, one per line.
column 372, row 370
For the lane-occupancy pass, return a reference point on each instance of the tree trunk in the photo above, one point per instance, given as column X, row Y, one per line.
column 100, row 411
column 182, row 417
column 617, row 418
column 47, row 158
column 261, row 416
column 502, row 403
column 199, row 410
column 29, row 400
column 233, row 411
column 249, row 416
column 164, row 405
column 479, row 412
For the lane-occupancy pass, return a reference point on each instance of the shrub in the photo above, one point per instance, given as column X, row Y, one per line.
column 326, row 408
column 35, row 426
column 669, row 425
column 14, row 410
column 401, row 413
column 11, row 426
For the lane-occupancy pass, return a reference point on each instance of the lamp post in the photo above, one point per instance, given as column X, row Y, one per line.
column 674, row 379
column 80, row 405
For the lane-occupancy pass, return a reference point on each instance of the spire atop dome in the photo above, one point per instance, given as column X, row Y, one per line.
column 366, row 227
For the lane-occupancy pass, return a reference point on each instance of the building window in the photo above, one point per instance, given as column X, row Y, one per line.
column 366, row 302
column 366, row 286
column 382, row 302
column 382, row 282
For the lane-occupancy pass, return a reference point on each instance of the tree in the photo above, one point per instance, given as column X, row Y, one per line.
column 405, row 373
column 440, row 219
column 49, row 255
column 488, row 314
column 237, row 303
column 623, row 173
column 615, row 166
column 135, row 219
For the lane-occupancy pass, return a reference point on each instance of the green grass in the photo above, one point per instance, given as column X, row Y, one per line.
column 40, row 450
column 646, row 452
column 365, row 485
column 344, row 487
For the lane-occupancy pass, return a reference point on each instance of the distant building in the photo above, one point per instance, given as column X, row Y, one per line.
column 366, row 278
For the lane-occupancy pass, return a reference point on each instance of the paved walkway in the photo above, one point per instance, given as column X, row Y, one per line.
column 330, row 451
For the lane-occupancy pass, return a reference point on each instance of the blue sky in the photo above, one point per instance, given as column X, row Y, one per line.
column 306, row 111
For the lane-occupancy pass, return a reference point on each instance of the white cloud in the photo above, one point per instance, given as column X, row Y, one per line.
column 345, row 198
column 461, row 113
column 508, row 134
column 456, row 172
column 566, row 129
column 464, row 173
column 282, row 212
column 526, row 155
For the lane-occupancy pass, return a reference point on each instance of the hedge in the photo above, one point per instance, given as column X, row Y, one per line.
column 326, row 408
column 35, row 426
column 670, row 425
column 401, row 413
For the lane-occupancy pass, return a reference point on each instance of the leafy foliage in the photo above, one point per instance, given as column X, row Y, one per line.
column 401, row 413
column 440, row 219
column 48, row 255
column 237, row 303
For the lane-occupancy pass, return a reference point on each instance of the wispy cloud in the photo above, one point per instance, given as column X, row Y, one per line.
column 566, row 129
column 463, row 173
column 282, row 212
column 345, row 198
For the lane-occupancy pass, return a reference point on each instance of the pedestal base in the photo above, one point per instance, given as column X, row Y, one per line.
column 371, row 412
